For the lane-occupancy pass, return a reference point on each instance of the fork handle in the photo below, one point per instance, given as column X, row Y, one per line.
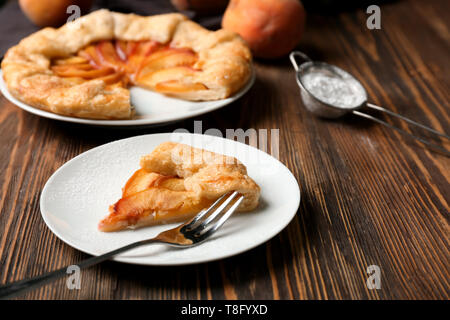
column 13, row 289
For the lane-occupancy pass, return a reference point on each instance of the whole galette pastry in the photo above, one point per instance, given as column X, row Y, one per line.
column 83, row 68
column 175, row 182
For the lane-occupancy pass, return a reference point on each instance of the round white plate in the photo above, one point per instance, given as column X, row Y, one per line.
column 151, row 108
column 78, row 194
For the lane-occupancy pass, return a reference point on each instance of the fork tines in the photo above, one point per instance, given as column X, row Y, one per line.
column 218, row 213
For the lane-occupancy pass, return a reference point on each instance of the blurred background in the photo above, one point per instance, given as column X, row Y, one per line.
column 20, row 18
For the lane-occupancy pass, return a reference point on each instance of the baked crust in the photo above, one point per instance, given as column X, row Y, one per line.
column 176, row 182
column 224, row 62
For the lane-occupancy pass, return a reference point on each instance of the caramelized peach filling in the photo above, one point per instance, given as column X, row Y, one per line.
column 149, row 64
column 153, row 198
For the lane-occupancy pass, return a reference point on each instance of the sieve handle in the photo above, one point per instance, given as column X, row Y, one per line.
column 435, row 146
column 297, row 54
column 375, row 107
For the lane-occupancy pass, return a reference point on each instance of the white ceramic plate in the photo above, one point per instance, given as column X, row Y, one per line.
column 79, row 193
column 151, row 108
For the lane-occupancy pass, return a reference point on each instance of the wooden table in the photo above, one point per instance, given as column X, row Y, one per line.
column 370, row 196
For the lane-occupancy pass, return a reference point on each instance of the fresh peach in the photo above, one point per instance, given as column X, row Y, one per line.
column 272, row 28
column 51, row 13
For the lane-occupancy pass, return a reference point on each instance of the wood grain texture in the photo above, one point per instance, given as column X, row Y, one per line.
column 369, row 195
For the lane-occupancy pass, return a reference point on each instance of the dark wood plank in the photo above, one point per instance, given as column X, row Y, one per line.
column 369, row 194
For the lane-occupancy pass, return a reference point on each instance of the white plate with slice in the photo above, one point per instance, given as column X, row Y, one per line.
column 78, row 194
column 152, row 108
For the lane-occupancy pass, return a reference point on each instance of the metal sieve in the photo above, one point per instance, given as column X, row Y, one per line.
column 326, row 97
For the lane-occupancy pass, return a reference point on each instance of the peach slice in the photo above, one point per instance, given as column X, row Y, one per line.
column 70, row 60
column 167, row 59
column 113, row 78
column 86, row 74
column 150, row 207
column 142, row 180
column 138, row 54
column 121, row 47
column 176, row 73
column 162, row 52
column 125, row 49
column 140, row 206
column 145, row 48
column 148, row 63
column 168, row 51
column 90, row 53
column 139, row 181
column 108, row 55
column 175, row 86
column 64, row 68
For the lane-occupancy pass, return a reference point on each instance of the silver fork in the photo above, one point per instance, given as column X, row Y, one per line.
column 188, row 234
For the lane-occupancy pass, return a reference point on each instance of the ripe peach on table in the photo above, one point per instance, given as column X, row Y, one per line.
column 272, row 28
column 51, row 13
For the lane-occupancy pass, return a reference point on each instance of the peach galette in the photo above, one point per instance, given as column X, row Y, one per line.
column 83, row 69
column 174, row 183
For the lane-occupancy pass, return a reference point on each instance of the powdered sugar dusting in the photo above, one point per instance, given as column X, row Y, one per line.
column 333, row 88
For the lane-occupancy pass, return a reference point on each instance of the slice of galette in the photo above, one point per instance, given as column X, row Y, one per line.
column 176, row 182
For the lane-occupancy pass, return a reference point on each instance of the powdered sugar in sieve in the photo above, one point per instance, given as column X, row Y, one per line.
column 336, row 89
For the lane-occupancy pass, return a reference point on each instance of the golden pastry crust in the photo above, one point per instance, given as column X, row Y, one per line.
column 176, row 182
column 207, row 174
column 224, row 63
